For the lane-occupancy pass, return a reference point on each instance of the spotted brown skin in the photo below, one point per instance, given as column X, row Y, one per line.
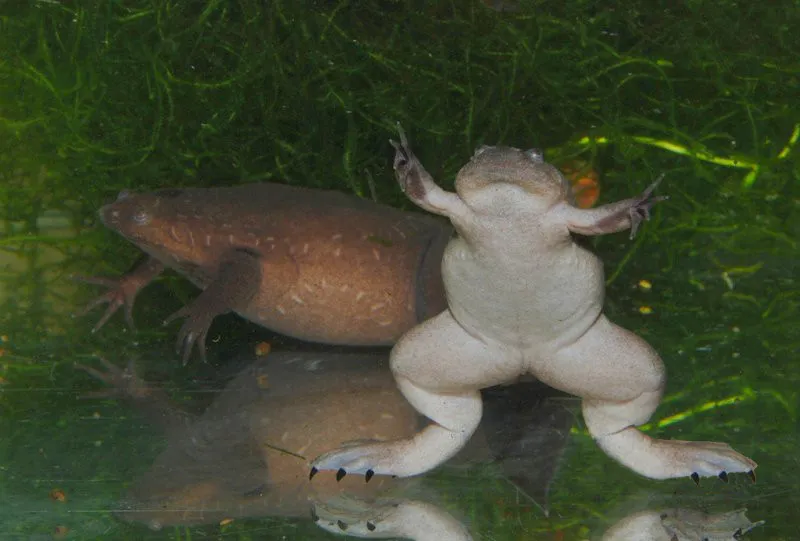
column 317, row 265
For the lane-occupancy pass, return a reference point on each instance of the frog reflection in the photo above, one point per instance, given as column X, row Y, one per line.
column 248, row 454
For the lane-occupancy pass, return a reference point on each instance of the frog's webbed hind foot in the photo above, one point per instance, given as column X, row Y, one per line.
column 455, row 418
column 660, row 459
column 406, row 519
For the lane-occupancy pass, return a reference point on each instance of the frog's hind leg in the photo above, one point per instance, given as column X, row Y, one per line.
column 621, row 380
column 440, row 369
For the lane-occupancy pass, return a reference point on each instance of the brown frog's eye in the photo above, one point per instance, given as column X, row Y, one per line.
column 535, row 155
column 140, row 217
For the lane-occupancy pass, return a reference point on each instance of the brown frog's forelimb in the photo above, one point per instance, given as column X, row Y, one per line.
column 236, row 282
column 613, row 217
column 122, row 291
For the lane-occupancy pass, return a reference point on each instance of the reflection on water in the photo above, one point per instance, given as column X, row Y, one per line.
column 248, row 454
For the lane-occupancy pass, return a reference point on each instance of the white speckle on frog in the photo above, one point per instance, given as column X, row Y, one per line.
column 297, row 299
column 524, row 298
column 191, row 238
column 377, row 306
column 313, row 365
column 360, row 295
column 376, row 254
column 337, row 237
column 337, row 252
column 174, row 234
column 281, row 310
column 208, row 240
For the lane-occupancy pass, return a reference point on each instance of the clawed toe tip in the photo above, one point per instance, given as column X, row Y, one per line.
column 724, row 476
column 314, row 471
column 752, row 475
column 695, row 478
column 340, row 474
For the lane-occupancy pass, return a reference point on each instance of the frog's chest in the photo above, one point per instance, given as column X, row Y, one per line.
column 521, row 299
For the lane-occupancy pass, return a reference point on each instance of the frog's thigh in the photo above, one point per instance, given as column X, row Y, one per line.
column 439, row 355
column 607, row 363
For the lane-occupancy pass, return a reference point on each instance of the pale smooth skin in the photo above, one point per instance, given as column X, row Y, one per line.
column 524, row 298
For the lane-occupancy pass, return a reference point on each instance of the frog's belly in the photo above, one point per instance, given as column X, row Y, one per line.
column 531, row 304
column 355, row 302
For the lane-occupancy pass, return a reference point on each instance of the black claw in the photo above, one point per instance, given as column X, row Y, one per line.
column 342, row 525
column 724, row 476
column 314, row 515
column 370, row 526
column 314, row 471
column 696, row 478
column 369, row 475
column 752, row 475
column 340, row 474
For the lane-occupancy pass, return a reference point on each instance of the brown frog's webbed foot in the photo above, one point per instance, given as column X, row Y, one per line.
column 194, row 330
column 121, row 292
column 641, row 205
column 123, row 383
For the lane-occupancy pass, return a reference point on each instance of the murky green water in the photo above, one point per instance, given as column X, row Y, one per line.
column 141, row 95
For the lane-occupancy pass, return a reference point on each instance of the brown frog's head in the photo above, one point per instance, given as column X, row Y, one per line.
column 149, row 220
column 497, row 175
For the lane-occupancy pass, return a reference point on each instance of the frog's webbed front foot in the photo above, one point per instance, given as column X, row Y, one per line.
column 613, row 217
column 237, row 280
column 122, row 291
column 641, row 205
column 195, row 329
column 414, row 180
column 419, row 185
column 406, row 519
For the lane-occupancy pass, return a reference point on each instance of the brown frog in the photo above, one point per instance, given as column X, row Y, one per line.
column 317, row 265
column 525, row 299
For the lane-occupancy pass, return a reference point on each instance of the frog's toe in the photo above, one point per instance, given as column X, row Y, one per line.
column 366, row 459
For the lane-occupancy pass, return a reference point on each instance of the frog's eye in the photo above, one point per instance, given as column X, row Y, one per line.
column 535, row 155
column 140, row 217
column 480, row 150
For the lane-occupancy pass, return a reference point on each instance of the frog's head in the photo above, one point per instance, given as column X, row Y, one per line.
column 146, row 219
column 500, row 172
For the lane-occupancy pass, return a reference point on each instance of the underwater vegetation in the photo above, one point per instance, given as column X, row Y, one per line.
column 99, row 97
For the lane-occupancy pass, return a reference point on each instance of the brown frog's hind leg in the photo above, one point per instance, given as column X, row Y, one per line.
column 440, row 369
column 236, row 282
column 621, row 380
